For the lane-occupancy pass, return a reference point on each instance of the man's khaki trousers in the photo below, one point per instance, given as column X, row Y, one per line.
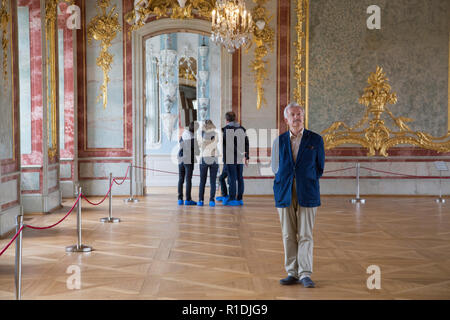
column 297, row 227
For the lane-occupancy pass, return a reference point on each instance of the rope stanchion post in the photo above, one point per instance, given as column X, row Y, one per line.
column 440, row 166
column 440, row 199
column 131, row 199
column 79, row 247
column 357, row 199
column 18, row 268
column 110, row 219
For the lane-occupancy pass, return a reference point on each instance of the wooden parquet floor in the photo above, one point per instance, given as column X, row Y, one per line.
column 164, row 251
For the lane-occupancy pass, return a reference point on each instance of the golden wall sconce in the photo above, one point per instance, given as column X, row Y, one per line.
column 377, row 137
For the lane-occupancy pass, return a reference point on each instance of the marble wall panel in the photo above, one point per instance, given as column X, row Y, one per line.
column 67, row 126
column 265, row 117
column 8, row 191
column 102, row 169
column 52, row 179
column 105, row 127
column 7, row 98
column 65, row 170
column 36, row 115
column 25, row 79
column 412, row 46
column 30, row 181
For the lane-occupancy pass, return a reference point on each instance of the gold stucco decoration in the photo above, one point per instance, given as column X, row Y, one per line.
column 263, row 38
column 104, row 28
column 377, row 137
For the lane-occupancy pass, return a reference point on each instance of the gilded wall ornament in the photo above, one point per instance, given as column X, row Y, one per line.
column 263, row 38
column 5, row 18
column 104, row 28
column 301, row 52
column 51, row 15
column 377, row 137
column 186, row 9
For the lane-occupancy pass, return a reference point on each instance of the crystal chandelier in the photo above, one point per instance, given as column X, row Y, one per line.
column 231, row 24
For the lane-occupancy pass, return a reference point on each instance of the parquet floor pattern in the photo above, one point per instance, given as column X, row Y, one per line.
column 163, row 251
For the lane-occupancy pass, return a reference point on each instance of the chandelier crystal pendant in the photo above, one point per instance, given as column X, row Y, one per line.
column 231, row 24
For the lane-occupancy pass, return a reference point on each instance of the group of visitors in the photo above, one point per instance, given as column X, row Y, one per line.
column 235, row 153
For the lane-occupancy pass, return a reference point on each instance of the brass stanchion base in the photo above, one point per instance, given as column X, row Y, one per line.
column 76, row 248
column 134, row 200
column 440, row 200
column 109, row 220
column 358, row 200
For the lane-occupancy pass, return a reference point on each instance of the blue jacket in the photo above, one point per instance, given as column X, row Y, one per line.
column 307, row 169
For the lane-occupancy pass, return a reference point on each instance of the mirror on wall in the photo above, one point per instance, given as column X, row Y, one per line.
column 176, row 84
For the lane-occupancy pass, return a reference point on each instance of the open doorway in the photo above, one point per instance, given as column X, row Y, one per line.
column 182, row 83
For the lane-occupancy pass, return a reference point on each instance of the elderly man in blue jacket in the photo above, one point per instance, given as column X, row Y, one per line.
column 298, row 160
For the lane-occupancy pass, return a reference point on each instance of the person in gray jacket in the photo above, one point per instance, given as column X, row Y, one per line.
column 208, row 160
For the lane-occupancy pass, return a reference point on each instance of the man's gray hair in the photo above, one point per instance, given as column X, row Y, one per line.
column 292, row 105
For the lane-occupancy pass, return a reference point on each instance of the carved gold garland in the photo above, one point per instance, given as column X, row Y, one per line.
column 299, row 72
column 263, row 38
column 51, row 15
column 5, row 18
column 104, row 28
column 377, row 137
column 181, row 9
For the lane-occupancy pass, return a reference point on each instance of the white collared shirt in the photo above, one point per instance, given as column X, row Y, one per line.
column 295, row 143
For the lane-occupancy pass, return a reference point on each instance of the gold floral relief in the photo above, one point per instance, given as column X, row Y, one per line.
column 377, row 137
column 263, row 38
column 104, row 28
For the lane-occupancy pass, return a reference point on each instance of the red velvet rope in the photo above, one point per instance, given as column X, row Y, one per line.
column 194, row 175
column 126, row 174
column 53, row 225
column 398, row 174
column 12, row 240
column 98, row 203
column 39, row 228
column 337, row 170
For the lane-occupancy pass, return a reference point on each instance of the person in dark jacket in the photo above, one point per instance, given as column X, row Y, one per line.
column 186, row 160
column 235, row 155
column 209, row 160
column 298, row 161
